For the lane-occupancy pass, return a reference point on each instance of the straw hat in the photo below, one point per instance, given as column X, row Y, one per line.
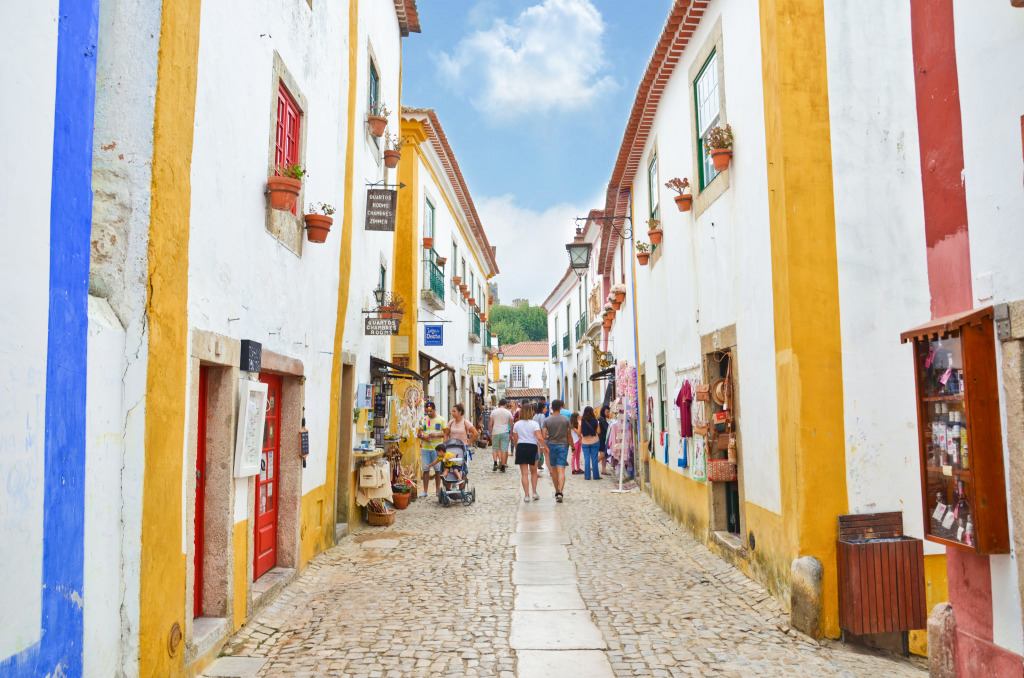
column 719, row 390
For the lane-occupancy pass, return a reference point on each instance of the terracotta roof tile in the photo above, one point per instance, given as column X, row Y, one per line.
column 408, row 16
column 526, row 349
column 520, row 393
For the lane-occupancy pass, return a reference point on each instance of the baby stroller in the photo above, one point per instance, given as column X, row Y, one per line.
column 450, row 484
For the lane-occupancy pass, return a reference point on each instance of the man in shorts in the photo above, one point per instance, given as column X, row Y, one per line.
column 431, row 432
column 500, row 426
column 556, row 433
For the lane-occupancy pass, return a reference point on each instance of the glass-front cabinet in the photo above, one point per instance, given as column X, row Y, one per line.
column 961, row 445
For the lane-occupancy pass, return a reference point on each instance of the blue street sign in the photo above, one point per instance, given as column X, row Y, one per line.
column 433, row 335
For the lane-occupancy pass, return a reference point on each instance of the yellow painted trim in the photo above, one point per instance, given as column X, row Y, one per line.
column 451, row 209
column 240, row 543
column 316, row 529
column 808, row 360
column 936, row 591
column 162, row 567
column 344, row 275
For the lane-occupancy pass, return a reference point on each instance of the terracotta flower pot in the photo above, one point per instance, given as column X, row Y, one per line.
column 684, row 202
column 317, row 227
column 401, row 500
column 377, row 125
column 643, row 257
column 441, row 261
column 472, row 301
column 464, row 289
column 655, row 235
column 620, row 297
column 391, row 159
column 428, row 243
column 611, row 314
column 720, row 157
column 616, row 305
column 607, row 324
column 456, row 279
column 283, row 192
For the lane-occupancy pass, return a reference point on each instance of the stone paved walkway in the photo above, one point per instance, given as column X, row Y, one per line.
column 601, row 585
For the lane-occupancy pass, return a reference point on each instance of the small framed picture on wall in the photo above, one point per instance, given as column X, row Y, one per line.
column 252, row 412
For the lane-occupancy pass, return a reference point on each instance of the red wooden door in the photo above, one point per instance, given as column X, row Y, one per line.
column 200, row 520
column 265, row 537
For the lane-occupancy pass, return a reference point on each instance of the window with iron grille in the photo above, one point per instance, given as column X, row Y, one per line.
column 517, row 376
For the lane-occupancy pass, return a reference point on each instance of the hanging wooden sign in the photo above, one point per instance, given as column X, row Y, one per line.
column 381, row 327
column 380, row 209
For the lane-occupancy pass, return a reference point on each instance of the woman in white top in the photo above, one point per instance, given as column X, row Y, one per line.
column 526, row 437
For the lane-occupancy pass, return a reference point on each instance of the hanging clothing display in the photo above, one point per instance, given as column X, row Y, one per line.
column 620, row 446
column 684, row 400
column 699, row 458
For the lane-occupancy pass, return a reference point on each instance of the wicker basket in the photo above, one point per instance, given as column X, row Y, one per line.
column 380, row 519
column 721, row 470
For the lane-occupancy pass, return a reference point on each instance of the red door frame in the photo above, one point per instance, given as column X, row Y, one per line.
column 200, row 506
column 267, row 486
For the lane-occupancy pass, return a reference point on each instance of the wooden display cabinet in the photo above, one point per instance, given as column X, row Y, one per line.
column 963, row 485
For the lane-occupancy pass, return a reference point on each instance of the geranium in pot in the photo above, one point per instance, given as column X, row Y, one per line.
column 377, row 120
column 643, row 253
column 614, row 301
column 393, row 306
column 718, row 144
column 400, row 495
column 609, row 311
column 284, row 185
column 684, row 199
column 655, row 232
column 619, row 290
column 393, row 153
column 318, row 222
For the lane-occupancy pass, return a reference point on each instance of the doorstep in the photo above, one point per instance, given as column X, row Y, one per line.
column 208, row 635
column 729, row 541
column 268, row 587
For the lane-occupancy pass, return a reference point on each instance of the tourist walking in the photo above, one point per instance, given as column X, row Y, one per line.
column 431, row 432
column 540, row 413
column 590, row 430
column 527, row 439
column 500, row 430
column 574, row 430
column 459, row 427
column 602, row 454
column 556, row 436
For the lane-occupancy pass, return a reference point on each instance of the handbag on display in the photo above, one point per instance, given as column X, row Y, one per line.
column 703, row 393
column 720, row 420
column 721, row 470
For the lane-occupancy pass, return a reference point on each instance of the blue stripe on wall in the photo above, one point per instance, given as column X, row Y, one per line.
column 59, row 650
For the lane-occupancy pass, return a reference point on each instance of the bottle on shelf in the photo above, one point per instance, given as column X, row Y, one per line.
column 962, row 508
column 936, row 522
column 933, row 447
column 943, row 431
column 953, row 438
column 969, row 532
column 965, row 462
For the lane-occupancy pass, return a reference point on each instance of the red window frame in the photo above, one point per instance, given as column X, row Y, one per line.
column 289, row 124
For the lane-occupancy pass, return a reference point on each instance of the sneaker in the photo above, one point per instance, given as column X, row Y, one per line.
column 558, row 497
column 495, row 467
column 423, row 495
column 502, row 469
column 536, row 497
column 526, row 498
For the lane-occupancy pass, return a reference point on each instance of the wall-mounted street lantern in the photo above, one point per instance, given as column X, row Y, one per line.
column 378, row 294
column 579, row 254
column 500, row 355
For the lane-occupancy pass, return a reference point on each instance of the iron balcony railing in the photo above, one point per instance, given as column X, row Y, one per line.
column 554, row 350
column 583, row 322
column 579, row 330
column 476, row 324
column 487, row 335
column 565, row 341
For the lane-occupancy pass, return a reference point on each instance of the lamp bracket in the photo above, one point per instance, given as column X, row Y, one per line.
column 626, row 232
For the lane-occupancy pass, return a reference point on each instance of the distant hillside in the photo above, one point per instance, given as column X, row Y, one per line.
column 513, row 325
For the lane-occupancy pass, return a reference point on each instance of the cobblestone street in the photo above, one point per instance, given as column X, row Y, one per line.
column 603, row 584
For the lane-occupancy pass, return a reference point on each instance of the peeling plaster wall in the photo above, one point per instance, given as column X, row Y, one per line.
column 989, row 42
column 30, row 38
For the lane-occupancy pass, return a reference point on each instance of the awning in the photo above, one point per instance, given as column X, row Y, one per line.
column 603, row 374
column 946, row 324
column 393, row 371
column 437, row 364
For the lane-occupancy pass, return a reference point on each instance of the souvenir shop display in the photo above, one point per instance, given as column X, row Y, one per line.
column 621, row 431
column 959, row 433
column 721, row 458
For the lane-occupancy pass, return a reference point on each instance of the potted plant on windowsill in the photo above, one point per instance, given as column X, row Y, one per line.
column 643, row 253
column 284, row 186
column 684, row 199
column 718, row 144
column 318, row 222
column 606, row 322
column 619, row 290
column 655, row 232
column 457, row 281
column 609, row 311
column 613, row 300
column 394, row 151
column 377, row 120
column 393, row 307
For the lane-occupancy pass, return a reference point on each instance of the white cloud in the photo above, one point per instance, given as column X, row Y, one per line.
column 549, row 58
column 531, row 244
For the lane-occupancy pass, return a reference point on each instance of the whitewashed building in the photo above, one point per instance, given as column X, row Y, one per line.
column 523, row 369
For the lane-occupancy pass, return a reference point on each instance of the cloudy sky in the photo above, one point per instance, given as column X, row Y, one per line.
column 534, row 97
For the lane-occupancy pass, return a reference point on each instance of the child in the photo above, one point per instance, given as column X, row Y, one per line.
column 447, row 459
column 577, row 442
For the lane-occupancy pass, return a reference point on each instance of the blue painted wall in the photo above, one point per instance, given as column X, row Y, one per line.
column 59, row 650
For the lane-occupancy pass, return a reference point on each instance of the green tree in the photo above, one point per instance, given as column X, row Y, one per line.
column 531, row 320
column 508, row 332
